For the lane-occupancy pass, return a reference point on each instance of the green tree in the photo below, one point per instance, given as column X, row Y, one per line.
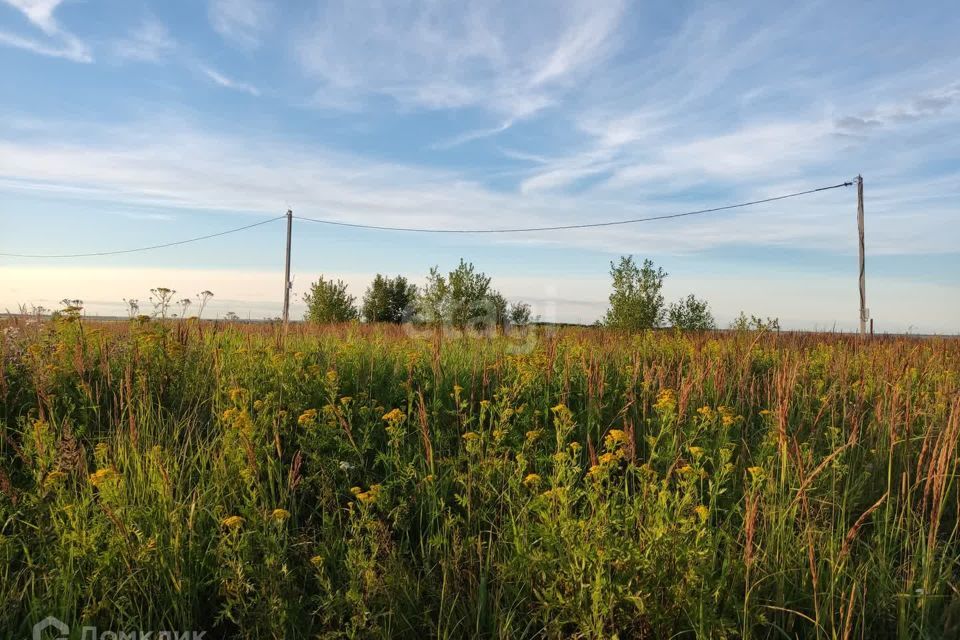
column 468, row 296
column 636, row 301
column 691, row 314
column 499, row 310
column 328, row 301
column 520, row 314
column 461, row 298
column 433, row 299
column 386, row 299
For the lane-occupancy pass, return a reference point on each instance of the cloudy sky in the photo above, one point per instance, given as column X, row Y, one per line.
column 126, row 123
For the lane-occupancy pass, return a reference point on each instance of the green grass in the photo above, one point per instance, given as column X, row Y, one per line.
column 361, row 482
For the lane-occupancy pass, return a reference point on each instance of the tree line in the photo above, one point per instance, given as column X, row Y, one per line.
column 464, row 298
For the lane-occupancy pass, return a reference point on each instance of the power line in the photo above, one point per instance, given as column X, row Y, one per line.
column 574, row 226
column 150, row 248
column 427, row 230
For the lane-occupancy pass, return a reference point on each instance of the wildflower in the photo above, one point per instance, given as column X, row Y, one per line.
column 696, row 452
column 346, row 400
column 232, row 522
column 531, row 480
column 757, row 473
column 316, row 561
column 484, row 404
column 702, row 512
column 607, row 458
column 428, row 478
column 470, row 436
column 706, row 412
column 615, row 438
column 666, row 401
column 533, row 435
column 575, row 447
column 229, row 415
column 369, row 496
column 236, row 394
column 103, row 476
column 280, row 515
column 332, row 377
column 355, row 490
column 345, row 466
column 257, row 405
column 307, row 417
column 766, row 412
column 394, row 416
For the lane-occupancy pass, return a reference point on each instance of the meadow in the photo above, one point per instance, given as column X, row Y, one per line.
column 358, row 481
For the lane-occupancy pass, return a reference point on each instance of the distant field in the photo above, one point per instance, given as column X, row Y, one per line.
column 365, row 482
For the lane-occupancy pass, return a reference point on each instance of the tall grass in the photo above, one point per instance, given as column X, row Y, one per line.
column 357, row 482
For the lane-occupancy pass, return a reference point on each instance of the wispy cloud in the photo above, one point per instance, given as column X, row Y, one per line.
column 59, row 43
column 149, row 42
column 241, row 22
column 224, row 81
column 436, row 56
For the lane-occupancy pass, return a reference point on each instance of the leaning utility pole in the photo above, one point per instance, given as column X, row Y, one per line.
column 864, row 312
column 286, row 272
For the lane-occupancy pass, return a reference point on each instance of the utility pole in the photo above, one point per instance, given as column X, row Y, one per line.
column 286, row 272
column 864, row 312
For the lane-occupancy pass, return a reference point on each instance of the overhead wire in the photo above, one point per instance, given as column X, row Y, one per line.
column 586, row 225
column 356, row 225
column 148, row 248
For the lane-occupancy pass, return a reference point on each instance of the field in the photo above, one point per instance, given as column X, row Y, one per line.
column 358, row 481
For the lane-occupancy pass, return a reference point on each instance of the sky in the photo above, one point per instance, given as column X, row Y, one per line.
column 132, row 123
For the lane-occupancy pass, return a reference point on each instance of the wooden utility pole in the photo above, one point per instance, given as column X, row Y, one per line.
column 286, row 272
column 864, row 312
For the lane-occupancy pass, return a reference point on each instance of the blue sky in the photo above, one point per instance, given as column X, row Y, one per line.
column 131, row 123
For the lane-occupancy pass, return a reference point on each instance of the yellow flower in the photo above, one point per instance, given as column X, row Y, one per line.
column 615, row 438
column 346, row 400
column 102, row 476
column 316, row 561
column 394, row 416
column 369, row 496
column 355, row 490
column 696, row 452
column 280, row 515
column 232, row 522
column 757, row 473
column 236, row 394
column 666, row 401
column 702, row 512
column 532, row 480
column 470, row 436
column 428, row 478
column 766, row 412
column 607, row 458
column 533, row 435
column 307, row 417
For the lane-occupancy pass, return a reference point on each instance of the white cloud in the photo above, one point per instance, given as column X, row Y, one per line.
column 62, row 44
column 149, row 42
column 240, row 21
column 491, row 55
column 224, row 81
